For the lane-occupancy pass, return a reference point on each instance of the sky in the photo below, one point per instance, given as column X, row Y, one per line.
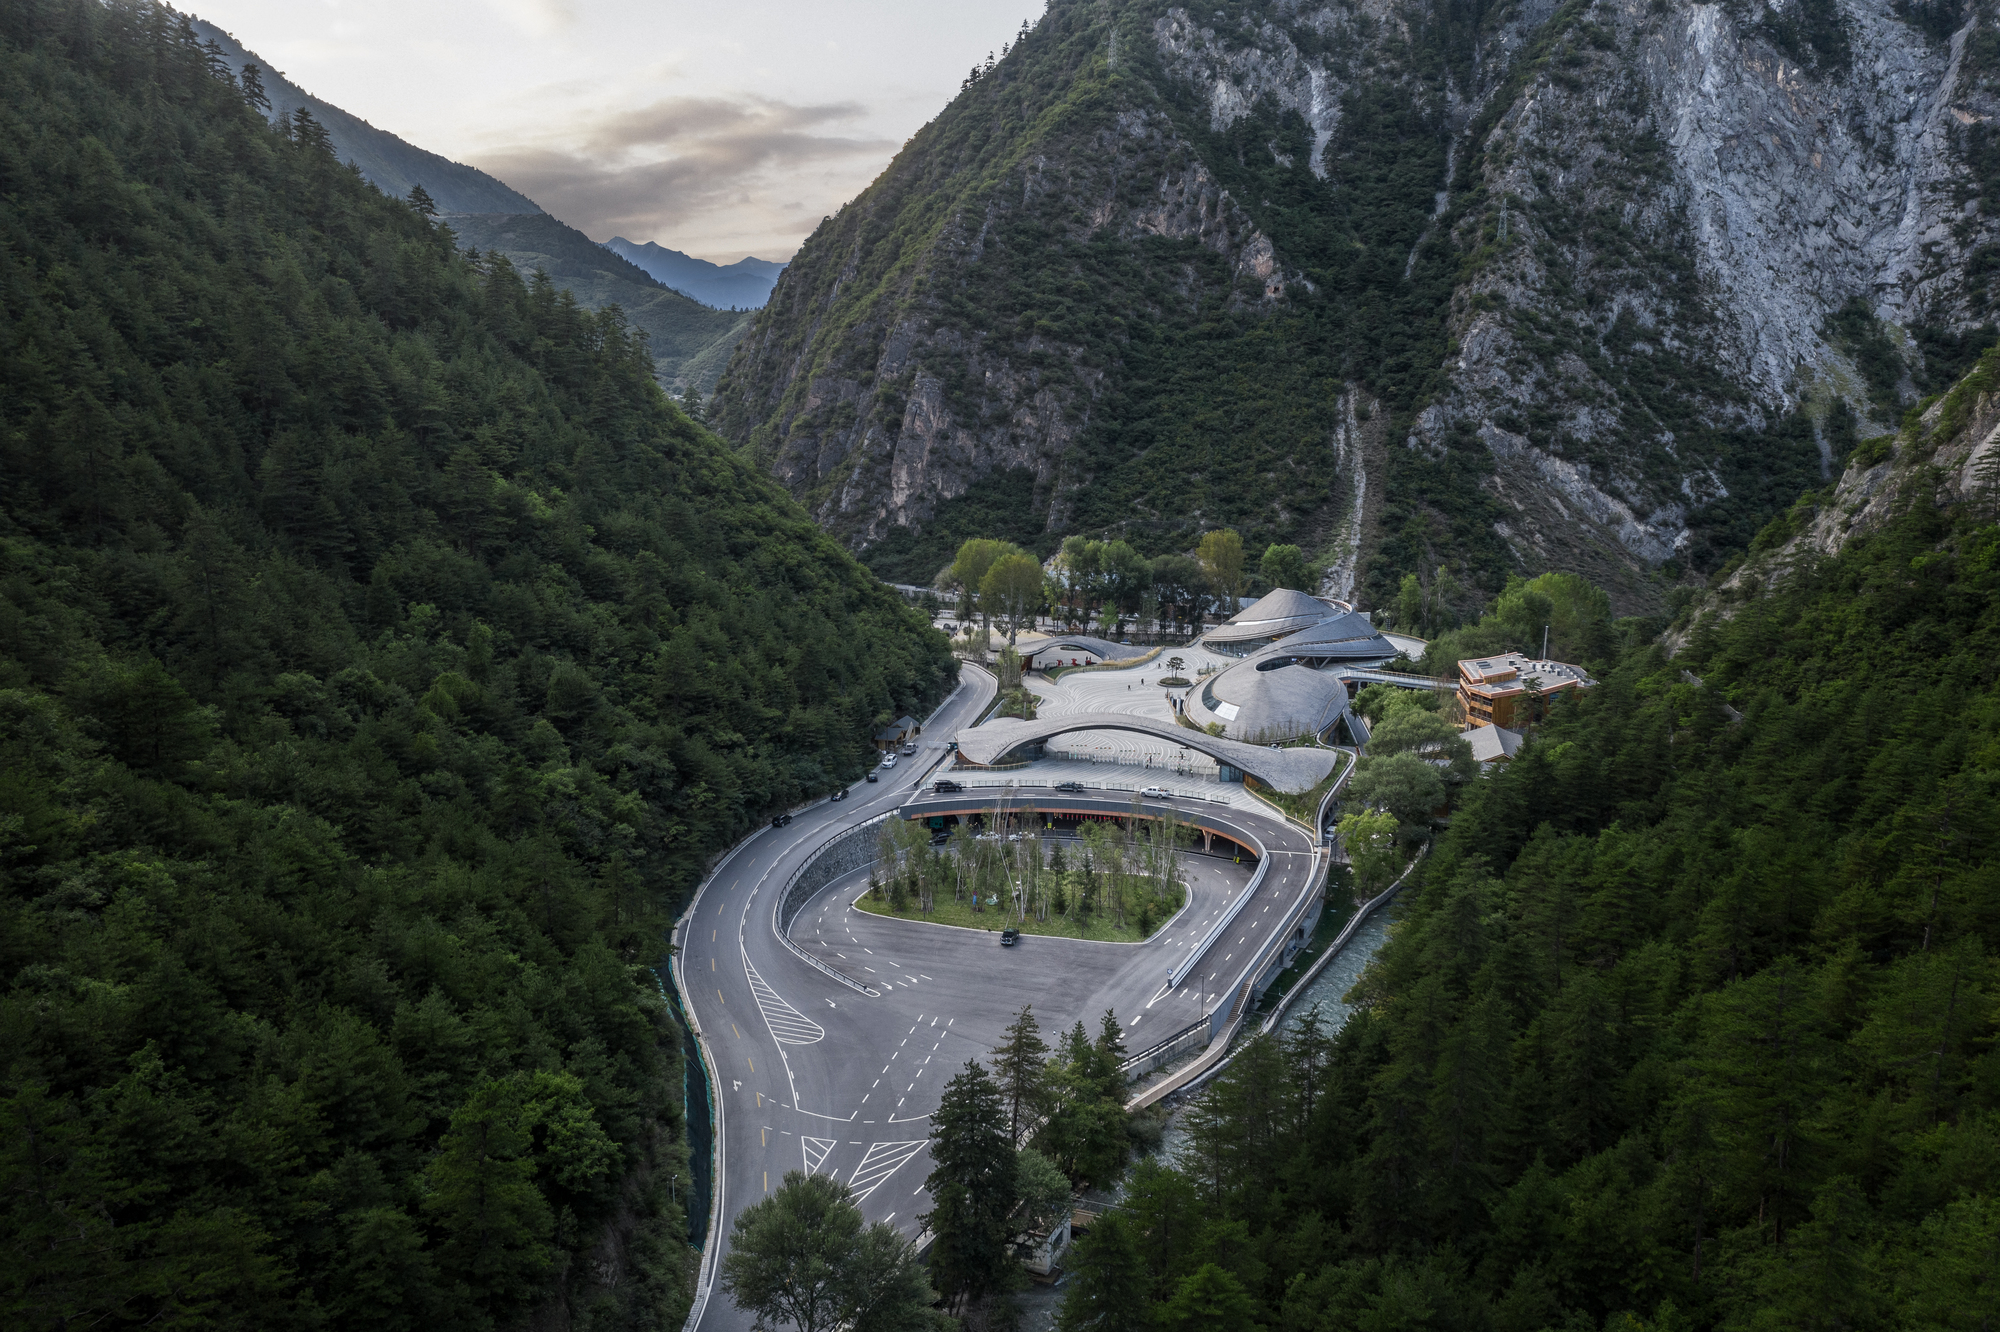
column 722, row 129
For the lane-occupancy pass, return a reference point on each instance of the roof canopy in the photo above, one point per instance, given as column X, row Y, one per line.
column 1268, row 698
column 1340, row 636
column 1289, row 770
column 1276, row 613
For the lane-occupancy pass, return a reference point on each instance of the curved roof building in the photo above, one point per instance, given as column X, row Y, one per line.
column 1342, row 638
column 1291, row 685
column 1063, row 649
column 1268, row 619
column 1268, row 698
column 1008, row 739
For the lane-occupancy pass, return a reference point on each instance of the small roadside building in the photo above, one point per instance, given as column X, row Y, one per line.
column 897, row 733
column 1509, row 688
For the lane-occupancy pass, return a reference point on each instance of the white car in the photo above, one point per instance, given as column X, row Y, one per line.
column 1156, row 793
column 888, row 760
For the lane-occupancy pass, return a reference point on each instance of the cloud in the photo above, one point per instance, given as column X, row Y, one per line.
column 540, row 17
column 687, row 167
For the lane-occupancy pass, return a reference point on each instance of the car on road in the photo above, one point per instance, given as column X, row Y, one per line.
column 841, row 794
column 888, row 760
column 944, row 786
column 1074, row 788
column 1009, row 937
column 780, row 820
column 873, row 778
column 910, row 748
column 1156, row 793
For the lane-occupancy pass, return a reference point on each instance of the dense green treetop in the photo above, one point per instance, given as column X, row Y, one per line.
column 381, row 658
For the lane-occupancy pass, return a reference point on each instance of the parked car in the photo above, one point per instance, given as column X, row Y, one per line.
column 888, row 760
column 1074, row 788
column 951, row 746
column 873, row 778
column 1156, row 793
column 944, row 786
column 1009, row 937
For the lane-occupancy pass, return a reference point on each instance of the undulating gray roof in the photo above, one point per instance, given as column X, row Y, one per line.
column 1281, row 611
column 1267, row 698
column 1289, row 770
column 1078, row 645
column 1340, row 636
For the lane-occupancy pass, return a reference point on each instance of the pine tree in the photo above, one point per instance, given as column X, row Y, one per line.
column 1020, row 1064
column 691, row 404
column 253, row 89
column 1107, row 1282
column 420, row 199
column 972, row 1188
column 310, row 132
column 1209, row 1297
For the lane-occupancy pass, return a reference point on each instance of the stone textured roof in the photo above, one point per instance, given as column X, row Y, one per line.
column 1342, row 635
column 1268, row 698
column 1282, row 611
column 1289, row 770
column 1076, row 645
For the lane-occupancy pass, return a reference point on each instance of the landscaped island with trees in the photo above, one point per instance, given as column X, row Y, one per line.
column 1120, row 881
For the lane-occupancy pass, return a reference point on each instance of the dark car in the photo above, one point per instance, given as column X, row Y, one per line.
column 781, row 820
column 945, row 787
column 841, row 794
column 1009, row 937
column 873, row 778
column 951, row 746
column 1075, row 787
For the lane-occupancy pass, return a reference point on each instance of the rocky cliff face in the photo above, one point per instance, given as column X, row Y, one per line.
column 1597, row 286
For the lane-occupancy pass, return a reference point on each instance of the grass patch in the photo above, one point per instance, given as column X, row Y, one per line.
column 949, row 911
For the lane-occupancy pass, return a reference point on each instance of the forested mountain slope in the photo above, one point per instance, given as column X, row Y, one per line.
column 1692, row 1020
column 690, row 342
column 391, row 164
column 1596, row 286
column 381, row 656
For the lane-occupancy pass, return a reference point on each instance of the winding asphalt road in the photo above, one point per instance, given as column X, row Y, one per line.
column 812, row 1075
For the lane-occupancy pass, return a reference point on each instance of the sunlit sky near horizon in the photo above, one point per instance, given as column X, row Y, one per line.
column 719, row 129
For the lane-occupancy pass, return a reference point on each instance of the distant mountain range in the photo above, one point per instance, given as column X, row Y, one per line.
column 389, row 163
column 743, row 285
